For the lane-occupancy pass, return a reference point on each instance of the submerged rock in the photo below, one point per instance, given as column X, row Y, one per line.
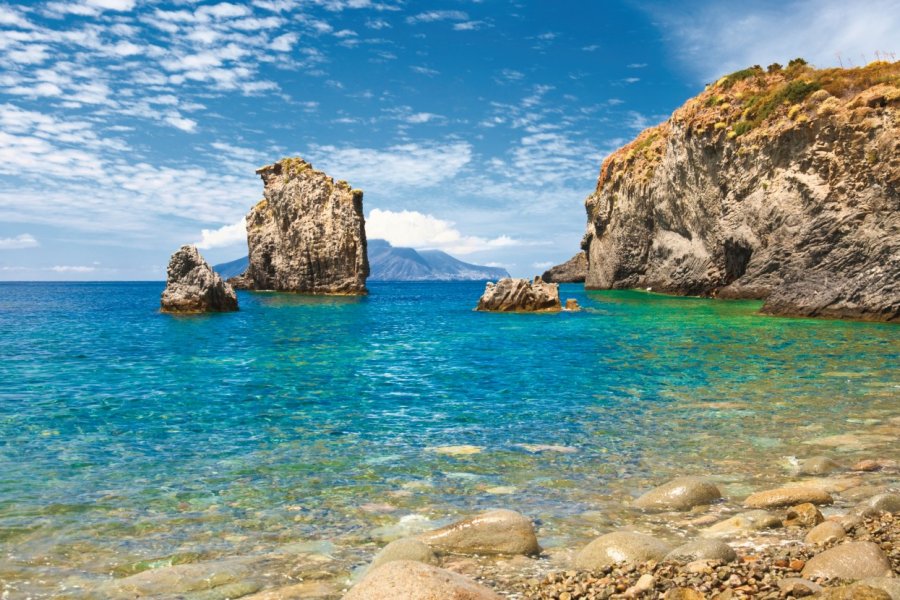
column 571, row 271
column 682, row 493
column 746, row 522
column 411, row 580
column 493, row 532
column 853, row 560
column 193, row 287
column 520, row 295
column 620, row 547
column 307, row 234
column 817, row 465
column 788, row 496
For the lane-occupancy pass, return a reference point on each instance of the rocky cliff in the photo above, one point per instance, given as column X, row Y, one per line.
column 778, row 184
column 307, row 234
column 573, row 270
column 193, row 287
column 520, row 295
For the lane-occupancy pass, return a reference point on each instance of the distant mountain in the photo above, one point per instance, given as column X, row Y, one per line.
column 233, row 268
column 387, row 263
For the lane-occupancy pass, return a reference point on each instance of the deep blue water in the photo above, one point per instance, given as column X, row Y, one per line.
column 126, row 432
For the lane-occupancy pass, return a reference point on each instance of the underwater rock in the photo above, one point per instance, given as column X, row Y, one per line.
column 193, row 287
column 520, row 295
column 682, row 493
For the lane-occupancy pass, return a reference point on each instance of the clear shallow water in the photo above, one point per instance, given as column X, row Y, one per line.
column 127, row 435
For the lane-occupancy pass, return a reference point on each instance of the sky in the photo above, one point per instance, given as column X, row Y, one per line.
column 131, row 127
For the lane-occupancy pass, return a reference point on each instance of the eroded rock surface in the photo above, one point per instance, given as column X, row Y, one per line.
column 573, row 270
column 520, row 295
column 307, row 234
column 782, row 186
column 193, row 287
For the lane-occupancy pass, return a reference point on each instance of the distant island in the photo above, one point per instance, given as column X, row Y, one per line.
column 391, row 263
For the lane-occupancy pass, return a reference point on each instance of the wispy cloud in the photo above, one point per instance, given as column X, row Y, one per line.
column 714, row 38
column 437, row 15
column 24, row 240
column 414, row 229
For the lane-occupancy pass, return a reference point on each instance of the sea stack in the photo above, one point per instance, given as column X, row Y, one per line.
column 780, row 184
column 520, row 295
column 573, row 270
column 307, row 234
column 193, row 287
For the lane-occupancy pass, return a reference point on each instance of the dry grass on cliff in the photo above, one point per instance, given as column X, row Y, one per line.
column 752, row 104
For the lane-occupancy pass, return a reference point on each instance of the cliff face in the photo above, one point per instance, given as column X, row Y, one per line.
column 780, row 185
column 573, row 270
column 193, row 287
column 307, row 234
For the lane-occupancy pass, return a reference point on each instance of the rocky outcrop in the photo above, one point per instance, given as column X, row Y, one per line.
column 781, row 185
column 520, row 295
column 307, row 234
column 193, row 287
column 573, row 270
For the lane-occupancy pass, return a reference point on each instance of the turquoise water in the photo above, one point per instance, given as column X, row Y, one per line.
column 128, row 435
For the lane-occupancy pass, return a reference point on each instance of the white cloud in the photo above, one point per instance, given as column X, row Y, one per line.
column 120, row 5
column 24, row 240
column 715, row 38
column 72, row 269
column 227, row 235
column 437, row 15
column 542, row 265
column 182, row 123
column 406, row 165
column 412, row 229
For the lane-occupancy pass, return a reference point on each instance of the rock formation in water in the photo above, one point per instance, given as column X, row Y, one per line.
column 193, row 287
column 778, row 184
column 307, row 234
column 573, row 270
column 520, row 295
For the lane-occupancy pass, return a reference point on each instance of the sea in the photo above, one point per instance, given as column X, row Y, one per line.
column 131, row 439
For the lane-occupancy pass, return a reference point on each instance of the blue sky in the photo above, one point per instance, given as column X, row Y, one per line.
column 130, row 127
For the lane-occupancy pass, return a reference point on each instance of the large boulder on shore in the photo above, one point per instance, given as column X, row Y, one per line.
column 853, row 560
column 702, row 549
column 520, row 295
column 193, row 287
column 411, row 580
column 493, row 532
column 571, row 271
column 620, row 547
column 307, row 234
column 682, row 493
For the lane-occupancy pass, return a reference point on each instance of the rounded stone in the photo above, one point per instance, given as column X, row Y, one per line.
column 853, row 560
column 889, row 503
column 745, row 522
column 411, row 580
column 853, row 592
column 621, row 547
column 702, row 549
column 823, row 533
column 803, row 515
column 818, row 465
column 682, row 493
column 493, row 532
column 405, row 549
column 891, row 585
column 788, row 496
column 798, row 587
